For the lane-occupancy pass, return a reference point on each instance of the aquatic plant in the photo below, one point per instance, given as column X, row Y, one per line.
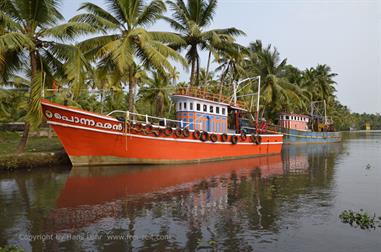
column 359, row 219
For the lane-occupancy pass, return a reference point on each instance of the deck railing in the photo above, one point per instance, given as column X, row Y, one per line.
column 159, row 121
column 200, row 93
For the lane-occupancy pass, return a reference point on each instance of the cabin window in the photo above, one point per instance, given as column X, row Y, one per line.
column 179, row 105
column 191, row 106
column 287, row 117
column 217, row 110
column 185, row 105
column 211, row 109
column 223, row 111
column 204, row 108
column 198, row 107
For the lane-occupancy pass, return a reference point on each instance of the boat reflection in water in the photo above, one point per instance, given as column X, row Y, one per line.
column 93, row 193
column 237, row 203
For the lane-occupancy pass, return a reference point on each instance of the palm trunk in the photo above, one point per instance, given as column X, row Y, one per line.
column 131, row 89
column 207, row 67
column 25, row 135
column 222, row 80
column 197, row 71
column 192, row 72
column 102, row 94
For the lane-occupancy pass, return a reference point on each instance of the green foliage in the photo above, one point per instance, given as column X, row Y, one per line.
column 12, row 105
column 358, row 219
column 9, row 141
column 191, row 20
column 132, row 46
column 10, row 249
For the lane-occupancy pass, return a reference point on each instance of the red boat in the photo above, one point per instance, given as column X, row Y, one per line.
column 200, row 132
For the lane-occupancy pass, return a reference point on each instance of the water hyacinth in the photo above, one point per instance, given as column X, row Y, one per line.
column 359, row 219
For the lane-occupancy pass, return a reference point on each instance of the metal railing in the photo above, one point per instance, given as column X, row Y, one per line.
column 159, row 121
column 200, row 93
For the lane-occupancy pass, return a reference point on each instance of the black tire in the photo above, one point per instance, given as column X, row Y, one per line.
column 213, row 138
column 156, row 132
column 243, row 136
column 148, row 127
column 178, row 132
column 168, row 131
column 258, row 139
column 204, row 136
column 196, row 134
column 253, row 138
column 224, row 137
column 138, row 127
column 234, row 139
column 186, row 132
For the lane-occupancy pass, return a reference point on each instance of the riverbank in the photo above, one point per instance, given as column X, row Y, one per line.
column 41, row 151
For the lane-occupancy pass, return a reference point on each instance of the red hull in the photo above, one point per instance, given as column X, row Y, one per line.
column 94, row 139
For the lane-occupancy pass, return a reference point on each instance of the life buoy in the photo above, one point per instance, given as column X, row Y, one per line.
column 196, row 134
column 156, row 133
column 186, row 132
column 148, row 127
column 204, row 136
column 138, row 127
column 178, row 132
column 213, row 138
column 243, row 136
column 234, row 139
column 168, row 131
column 224, row 137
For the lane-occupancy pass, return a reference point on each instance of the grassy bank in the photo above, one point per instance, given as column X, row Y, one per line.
column 40, row 151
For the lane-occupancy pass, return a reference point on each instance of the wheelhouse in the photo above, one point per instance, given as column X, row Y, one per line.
column 294, row 121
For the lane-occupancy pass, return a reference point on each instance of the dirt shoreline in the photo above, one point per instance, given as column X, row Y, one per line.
column 30, row 160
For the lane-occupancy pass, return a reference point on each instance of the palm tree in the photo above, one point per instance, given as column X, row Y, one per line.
column 158, row 92
column 231, row 64
column 127, row 43
column 29, row 35
column 191, row 20
column 277, row 92
column 325, row 82
column 319, row 83
column 174, row 75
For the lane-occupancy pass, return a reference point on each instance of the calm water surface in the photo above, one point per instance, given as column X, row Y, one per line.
column 288, row 202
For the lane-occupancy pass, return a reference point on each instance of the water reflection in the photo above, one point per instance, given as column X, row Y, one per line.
column 231, row 205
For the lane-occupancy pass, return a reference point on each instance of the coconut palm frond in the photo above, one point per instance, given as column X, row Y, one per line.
column 151, row 13
column 69, row 30
column 15, row 41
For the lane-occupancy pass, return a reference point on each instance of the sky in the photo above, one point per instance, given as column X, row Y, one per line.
column 344, row 34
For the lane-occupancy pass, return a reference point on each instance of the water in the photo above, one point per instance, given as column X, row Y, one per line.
column 288, row 202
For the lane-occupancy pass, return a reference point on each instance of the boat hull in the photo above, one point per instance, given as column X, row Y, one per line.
column 292, row 136
column 94, row 139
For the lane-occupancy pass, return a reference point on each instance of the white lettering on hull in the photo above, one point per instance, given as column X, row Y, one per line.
column 84, row 121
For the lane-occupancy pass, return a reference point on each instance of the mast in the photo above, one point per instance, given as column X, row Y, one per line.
column 325, row 112
column 259, row 94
